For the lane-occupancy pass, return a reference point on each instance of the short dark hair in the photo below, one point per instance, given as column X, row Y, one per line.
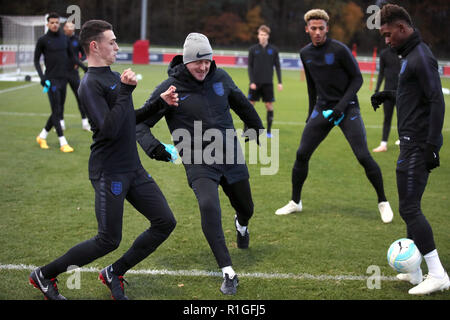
column 92, row 30
column 52, row 15
column 392, row 13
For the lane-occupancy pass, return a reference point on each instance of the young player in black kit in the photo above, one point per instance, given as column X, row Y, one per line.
column 262, row 58
column 58, row 55
column 389, row 69
column 73, row 75
column 115, row 170
column 206, row 94
column 420, row 116
column 333, row 78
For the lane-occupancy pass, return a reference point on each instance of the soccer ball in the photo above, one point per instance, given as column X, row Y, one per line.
column 403, row 256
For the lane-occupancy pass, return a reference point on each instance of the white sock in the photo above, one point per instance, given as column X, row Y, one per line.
column 228, row 270
column 62, row 141
column 241, row 229
column 383, row 143
column 417, row 276
column 435, row 268
column 43, row 134
column 63, row 124
column 84, row 122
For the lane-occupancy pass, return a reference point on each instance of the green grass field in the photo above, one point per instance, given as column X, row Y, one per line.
column 324, row 252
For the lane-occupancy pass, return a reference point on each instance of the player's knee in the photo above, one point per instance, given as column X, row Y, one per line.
column 108, row 243
column 302, row 157
column 207, row 204
column 368, row 163
column 167, row 225
column 409, row 212
column 365, row 160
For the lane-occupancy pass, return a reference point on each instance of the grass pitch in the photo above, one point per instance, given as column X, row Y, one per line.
column 324, row 252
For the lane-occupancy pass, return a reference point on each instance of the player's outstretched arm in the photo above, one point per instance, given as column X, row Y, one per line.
column 156, row 105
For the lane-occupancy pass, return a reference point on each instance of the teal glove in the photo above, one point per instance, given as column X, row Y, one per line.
column 333, row 115
column 47, row 85
column 172, row 150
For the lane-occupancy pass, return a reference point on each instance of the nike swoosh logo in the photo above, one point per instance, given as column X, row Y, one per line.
column 113, row 86
column 44, row 289
column 203, row 55
column 353, row 118
column 184, row 97
column 108, row 277
column 400, row 161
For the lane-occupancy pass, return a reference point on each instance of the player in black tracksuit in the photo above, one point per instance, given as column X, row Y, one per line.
column 58, row 54
column 333, row 79
column 262, row 59
column 73, row 75
column 420, row 106
column 420, row 118
column 116, row 174
column 205, row 105
column 389, row 70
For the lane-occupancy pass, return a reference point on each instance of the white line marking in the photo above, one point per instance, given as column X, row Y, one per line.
column 31, row 114
column 202, row 273
column 17, row 88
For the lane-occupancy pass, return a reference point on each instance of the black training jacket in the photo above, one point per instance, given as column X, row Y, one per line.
column 332, row 74
column 420, row 102
column 58, row 56
column 204, row 105
column 109, row 107
column 261, row 61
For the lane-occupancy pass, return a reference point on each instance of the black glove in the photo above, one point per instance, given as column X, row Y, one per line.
column 43, row 82
column 431, row 157
column 335, row 116
column 160, row 153
column 249, row 134
column 379, row 97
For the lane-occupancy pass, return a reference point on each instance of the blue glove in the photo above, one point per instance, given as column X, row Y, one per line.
column 46, row 86
column 172, row 150
column 333, row 115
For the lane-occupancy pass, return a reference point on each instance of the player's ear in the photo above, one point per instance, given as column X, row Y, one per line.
column 306, row 28
column 93, row 46
column 402, row 27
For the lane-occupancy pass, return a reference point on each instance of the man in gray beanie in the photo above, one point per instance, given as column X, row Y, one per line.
column 196, row 47
column 206, row 94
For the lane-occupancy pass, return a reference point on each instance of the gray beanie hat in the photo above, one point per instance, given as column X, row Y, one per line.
column 196, row 47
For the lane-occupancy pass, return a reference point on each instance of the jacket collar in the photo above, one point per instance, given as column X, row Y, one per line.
column 413, row 40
